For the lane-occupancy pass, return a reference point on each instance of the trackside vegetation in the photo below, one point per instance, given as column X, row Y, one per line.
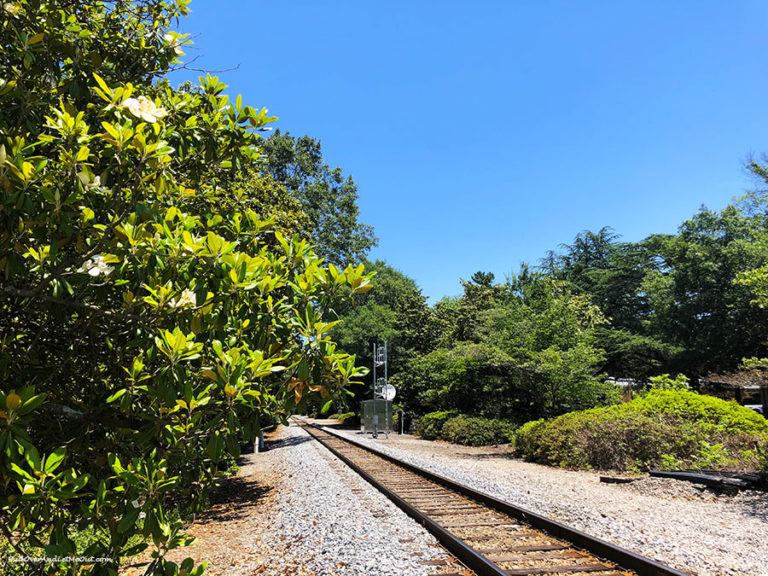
column 466, row 430
column 171, row 282
column 667, row 429
column 430, row 427
column 556, row 337
column 474, row 431
column 158, row 304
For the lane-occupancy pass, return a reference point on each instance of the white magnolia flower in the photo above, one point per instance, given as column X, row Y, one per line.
column 85, row 178
column 187, row 298
column 144, row 109
column 96, row 266
column 12, row 8
column 174, row 41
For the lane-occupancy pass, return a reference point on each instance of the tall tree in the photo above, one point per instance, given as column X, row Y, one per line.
column 329, row 198
column 394, row 310
column 514, row 352
column 696, row 304
column 612, row 273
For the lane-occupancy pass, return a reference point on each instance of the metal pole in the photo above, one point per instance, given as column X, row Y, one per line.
column 386, row 381
column 373, row 388
column 402, row 421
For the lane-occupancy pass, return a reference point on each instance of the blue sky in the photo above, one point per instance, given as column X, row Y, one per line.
column 483, row 134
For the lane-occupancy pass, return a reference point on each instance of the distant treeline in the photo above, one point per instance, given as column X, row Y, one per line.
column 543, row 341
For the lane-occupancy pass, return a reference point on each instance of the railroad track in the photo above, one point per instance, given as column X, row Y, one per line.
column 489, row 536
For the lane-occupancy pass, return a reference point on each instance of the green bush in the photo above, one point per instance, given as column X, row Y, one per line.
column 476, row 431
column 431, row 425
column 460, row 429
column 665, row 429
column 666, row 382
column 346, row 418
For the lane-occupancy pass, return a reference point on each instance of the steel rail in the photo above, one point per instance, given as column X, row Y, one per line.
column 471, row 558
column 626, row 559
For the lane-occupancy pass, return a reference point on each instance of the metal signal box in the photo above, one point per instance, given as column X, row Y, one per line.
column 377, row 417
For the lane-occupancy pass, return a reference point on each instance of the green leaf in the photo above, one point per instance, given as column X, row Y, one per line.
column 114, row 463
column 133, row 550
column 32, row 456
column 303, row 371
column 80, row 482
column 102, row 84
column 101, row 493
column 215, row 446
column 31, row 404
column 111, row 130
column 233, row 446
column 116, row 395
column 54, row 459
column 127, row 522
column 217, row 348
column 20, row 471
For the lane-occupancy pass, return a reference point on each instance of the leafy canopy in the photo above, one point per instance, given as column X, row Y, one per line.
column 328, row 198
column 151, row 320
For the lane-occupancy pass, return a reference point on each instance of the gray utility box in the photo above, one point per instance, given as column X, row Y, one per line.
column 378, row 421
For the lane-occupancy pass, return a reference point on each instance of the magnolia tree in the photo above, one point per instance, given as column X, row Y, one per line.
column 150, row 318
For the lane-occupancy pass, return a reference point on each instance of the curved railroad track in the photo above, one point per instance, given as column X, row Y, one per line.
column 491, row 537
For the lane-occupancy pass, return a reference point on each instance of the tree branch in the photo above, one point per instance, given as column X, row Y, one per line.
column 23, row 293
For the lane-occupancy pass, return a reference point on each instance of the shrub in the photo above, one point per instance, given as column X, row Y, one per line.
column 666, row 382
column 431, row 425
column 347, row 418
column 476, row 431
column 664, row 429
column 461, row 429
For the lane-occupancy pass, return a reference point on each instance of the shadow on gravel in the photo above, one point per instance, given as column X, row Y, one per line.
column 757, row 507
column 286, row 442
column 234, row 498
column 503, row 456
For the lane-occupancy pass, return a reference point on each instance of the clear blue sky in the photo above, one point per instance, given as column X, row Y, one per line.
column 481, row 134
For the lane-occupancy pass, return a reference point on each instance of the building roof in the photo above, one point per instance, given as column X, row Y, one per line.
column 743, row 379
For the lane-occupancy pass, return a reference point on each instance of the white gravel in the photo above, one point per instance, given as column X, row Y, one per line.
column 325, row 520
column 676, row 523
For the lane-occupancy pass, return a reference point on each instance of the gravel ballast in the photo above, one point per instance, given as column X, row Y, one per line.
column 677, row 523
column 326, row 520
column 296, row 509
